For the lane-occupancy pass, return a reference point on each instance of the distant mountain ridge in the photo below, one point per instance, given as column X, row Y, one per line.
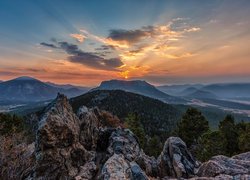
column 139, row 87
column 178, row 90
column 201, row 94
column 67, row 86
column 229, row 90
column 220, row 90
column 28, row 89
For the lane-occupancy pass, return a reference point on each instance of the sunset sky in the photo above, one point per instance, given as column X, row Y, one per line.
column 160, row 41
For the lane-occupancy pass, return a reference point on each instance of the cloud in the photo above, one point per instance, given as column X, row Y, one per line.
column 93, row 60
column 105, row 47
column 129, row 36
column 48, row 45
column 193, row 29
column 79, row 37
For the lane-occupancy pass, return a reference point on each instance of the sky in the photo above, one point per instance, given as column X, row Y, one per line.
column 160, row 41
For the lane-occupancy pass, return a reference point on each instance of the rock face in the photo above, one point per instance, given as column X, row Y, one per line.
column 19, row 163
column 124, row 150
column 90, row 145
column 59, row 152
column 236, row 166
column 175, row 160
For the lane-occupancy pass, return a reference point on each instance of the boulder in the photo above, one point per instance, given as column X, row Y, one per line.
column 175, row 160
column 116, row 167
column 218, row 165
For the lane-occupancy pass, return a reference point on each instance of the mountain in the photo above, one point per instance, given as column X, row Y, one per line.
column 27, row 89
column 68, row 86
column 1, row 81
column 229, row 90
column 177, row 90
column 187, row 91
column 157, row 117
column 139, row 87
column 201, row 94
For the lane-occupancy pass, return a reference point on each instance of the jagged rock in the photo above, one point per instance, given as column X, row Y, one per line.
column 175, row 160
column 148, row 164
column 19, row 163
column 87, row 171
column 89, row 128
column 58, row 151
column 116, row 167
column 243, row 156
column 237, row 165
column 137, row 172
column 123, row 141
column 92, row 122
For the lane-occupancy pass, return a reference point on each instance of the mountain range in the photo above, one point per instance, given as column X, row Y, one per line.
column 28, row 89
column 233, row 97
column 214, row 91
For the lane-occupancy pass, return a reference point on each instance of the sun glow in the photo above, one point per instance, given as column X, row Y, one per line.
column 124, row 74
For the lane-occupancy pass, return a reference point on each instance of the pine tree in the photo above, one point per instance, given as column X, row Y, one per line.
column 134, row 124
column 192, row 125
column 230, row 136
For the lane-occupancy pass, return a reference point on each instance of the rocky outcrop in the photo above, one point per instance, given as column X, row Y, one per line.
column 89, row 145
column 123, row 151
column 89, row 127
column 175, row 160
column 148, row 164
column 236, row 166
column 59, row 152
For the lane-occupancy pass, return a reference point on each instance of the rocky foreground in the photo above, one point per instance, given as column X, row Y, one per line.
column 84, row 146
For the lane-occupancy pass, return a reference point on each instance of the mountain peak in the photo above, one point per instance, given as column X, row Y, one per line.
column 138, row 87
column 24, row 78
column 116, row 81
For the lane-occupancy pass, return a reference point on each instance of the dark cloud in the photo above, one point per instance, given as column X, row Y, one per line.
column 105, row 47
column 130, row 36
column 35, row 70
column 103, row 54
column 48, row 45
column 76, row 55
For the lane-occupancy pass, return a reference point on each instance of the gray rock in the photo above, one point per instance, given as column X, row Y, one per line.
column 175, row 160
column 123, row 141
column 87, row 171
column 116, row 167
column 89, row 128
column 137, row 172
column 238, row 165
column 148, row 164
column 58, row 151
column 19, row 163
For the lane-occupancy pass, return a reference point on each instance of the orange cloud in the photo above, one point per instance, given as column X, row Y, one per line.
column 79, row 37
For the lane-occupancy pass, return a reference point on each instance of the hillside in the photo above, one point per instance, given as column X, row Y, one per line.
column 157, row 117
